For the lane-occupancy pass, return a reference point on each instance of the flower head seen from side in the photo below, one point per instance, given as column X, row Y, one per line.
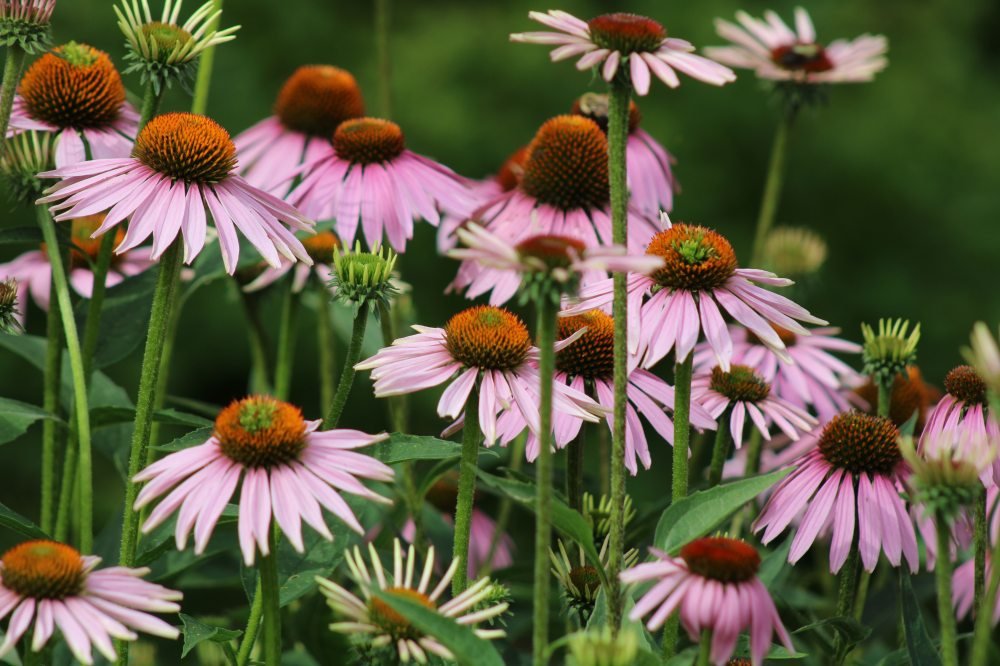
column 371, row 177
column 949, row 469
column 364, row 278
column 849, row 485
column 711, row 568
column 602, row 647
column 580, row 579
column 983, row 354
column 538, row 266
column 815, row 379
column 163, row 50
column 795, row 252
column 743, row 394
column 11, row 316
column 484, row 349
column 910, row 397
column 888, row 351
column 701, row 279
column 75, row 94
column 47, row 586
column 181, row 164
column 289, row 469
column 777, row 52
column 964, row 407
column 26, row 155
column 377, row 626
column 312, row 104
column 634, row 45
column 651, row 181
column 25, row 24
column 321, row 248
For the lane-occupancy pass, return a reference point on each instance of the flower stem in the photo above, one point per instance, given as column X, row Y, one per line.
column 8, row 88
column 984, row 620
column 50, row 403
column 92, row 327
column 772, row 185
column 286, row 344
column 471, row 438
column 980, row 540
column 618, row 108
column 682, row 427
column 382, row 56
column 253, row 627
column 846, row 590
column 705, row 648
column 884, row 397
column 548, row 309
column 81, row 410
column 271, row 601
column 205, row 64
column 260, row 382
column 574, row 474
column 754, row 447
column 66, row 494
column 720, row 452
column 339, row 401
column 515, row 464
column 946, row 614
column 325, row 346
column 150, row 105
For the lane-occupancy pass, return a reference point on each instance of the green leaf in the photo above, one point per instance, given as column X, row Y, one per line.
column 850, row 630
column 196, row 631
column 910, row 425
column 16, row 417
column 161, row 539
column 918, row 641
column 775, row 562
column 21, row 235
column 15, row 522
column 108, row 415
column 124, row 318
column 401, row 447
column 193, row 438
column 468, row 649
column 701, row 512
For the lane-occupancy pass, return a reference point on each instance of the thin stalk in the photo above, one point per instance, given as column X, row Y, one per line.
column 260, row 382
column 472, row 437
column 382, row 56
column 884, row 397
column 339, row 401
column 325, row 341
column 682, row 427
column 11, row 75
column 163, row 380
column 205, row 65
column 861, row 598
column 980, row 541
column 269, row 592
column 604, row 457
column 618, row 110
column 772, row 185
column 253, row 627
column 671, row 633
column 846, row 591
column 81, row 410
column 50, row 403
column 547, row 311
column 150, row 105
column 67, row 487
column 984, row 621
column 754, row 447
column 705, row 648
column 506, row 505
column 574, row 473
column 946, row 614
column 720, row 452
column 287, row 331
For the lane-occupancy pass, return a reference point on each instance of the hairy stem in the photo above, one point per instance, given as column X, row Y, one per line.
column 339, row 401
column 471, row 439
column 253, row 627
column 50, row 403
column 287, row 331
column 205, row 65
column 270, row 598
column 980, row 540
column 772, row 185
column 846, row 590
column 755, row 445
column 11, row 75
column 682, row 427
column 884, row 397
column 946, row 614
column 984, row 620
column 720, row 452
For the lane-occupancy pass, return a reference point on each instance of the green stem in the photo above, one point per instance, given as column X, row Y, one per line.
column 705, row 648
column 574, row 474
column 506, row 504
column 548, row 309
column 861, row 598
column 754, row 447
column 92, row 327
column 984, row 620
column 339, row 401
column 50, row 403
column 260, row 382
column 67, row 485
column 207, row 60
column 325, row 346
column 150, row 105
column 846, row 590
column 946, row 614
column 81, row 410
column 618, row 115
column 884, row 397
column 671, row 634
column 253, row 627
column 270, row 595
column 286, row 344
column 382, row 55
column 720, row 452
column 682, row 428
column 11, row 75
column 772, row 186
column 163, row 379
column 980, row 540
column 471, row 438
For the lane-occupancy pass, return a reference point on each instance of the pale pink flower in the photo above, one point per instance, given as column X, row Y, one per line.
column 33, row 11
column 181, row 164
column 46, row 586
column 619, row 40
column 776, row 52
column 849, row 484
column 289, row 469
column 713, row 585
column 965, row 410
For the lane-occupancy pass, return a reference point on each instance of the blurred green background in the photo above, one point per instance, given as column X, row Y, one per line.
column 900, row 176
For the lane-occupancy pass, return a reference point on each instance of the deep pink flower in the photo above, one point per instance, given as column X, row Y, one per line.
column 289, row 470
column 714, row 587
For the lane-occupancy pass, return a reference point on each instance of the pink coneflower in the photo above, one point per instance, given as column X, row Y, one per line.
column 309, row 109
column 714, row 587
column 611, row 40
column 964, row 407
column 563, row 190
column 815, row 378
column 850, row 483
column 47, row 586
column 288, row 467
column 745, row 393
column 651, row 181
column 320, row 247
column 181, row 164
column 670, row 309
column 483, row 345
column 775, row 51
column 33, row 11
column 76, row 94
column 370, row 176
column 491, row 264
column 34, row 273
column 588, row 363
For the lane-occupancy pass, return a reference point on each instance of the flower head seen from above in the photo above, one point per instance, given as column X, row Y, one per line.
column 164, row 50
column 312, row 104
column 714, row 586
column 378, row 626
column 700, row 280
column 651, row 179
column 76, row 94
column 850, row 483
column 620, row 40
column 181, row 164
column 777, row 52
column 289, row 469
column 25, row 24
column 371, row 177
column 742, row 393
column 48, row 585
column 321, row 247
column 539, row 266
column 490, row 351
column 814, row 379
column 888, row 351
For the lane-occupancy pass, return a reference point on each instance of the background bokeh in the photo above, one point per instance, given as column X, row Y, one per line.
column 900, row 176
